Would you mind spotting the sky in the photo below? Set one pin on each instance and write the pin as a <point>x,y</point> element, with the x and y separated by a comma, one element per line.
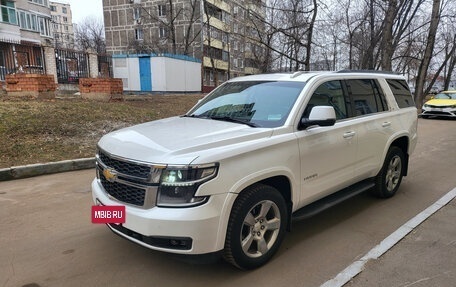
<point>85,8</point>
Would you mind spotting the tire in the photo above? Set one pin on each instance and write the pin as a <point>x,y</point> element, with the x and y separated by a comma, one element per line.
<point>390,176</point>
<point>256,227</point>
<point>425,116</point>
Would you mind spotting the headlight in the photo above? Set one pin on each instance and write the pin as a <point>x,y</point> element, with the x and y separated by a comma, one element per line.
<point>425,106</point>
<point>178,185</point>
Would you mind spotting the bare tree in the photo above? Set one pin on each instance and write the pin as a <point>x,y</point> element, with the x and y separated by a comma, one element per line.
<point>172,27</point>
<point>288,31</point>
<point>423,69</point>
<point>89,34</point>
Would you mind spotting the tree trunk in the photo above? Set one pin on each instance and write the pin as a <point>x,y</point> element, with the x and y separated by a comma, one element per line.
<point>422,71</point>
<point>309,36</point>
<point>387,39</point>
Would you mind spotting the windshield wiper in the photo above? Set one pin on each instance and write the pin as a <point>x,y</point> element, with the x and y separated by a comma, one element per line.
<point>223,118</point>
<point>233,120</point>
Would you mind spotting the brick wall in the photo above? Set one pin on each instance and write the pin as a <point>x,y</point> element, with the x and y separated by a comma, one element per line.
<point>101,85</point>
<point>34,85</point>
<point>101,88</point>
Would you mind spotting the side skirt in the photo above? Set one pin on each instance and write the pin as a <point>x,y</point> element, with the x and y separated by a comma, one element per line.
<point>333,199</point>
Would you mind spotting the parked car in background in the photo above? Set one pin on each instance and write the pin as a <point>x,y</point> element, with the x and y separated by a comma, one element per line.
<point>442,105</point>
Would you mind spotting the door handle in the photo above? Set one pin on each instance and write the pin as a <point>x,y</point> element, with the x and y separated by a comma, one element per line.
<point>386,124</point>
<point>349,134</point>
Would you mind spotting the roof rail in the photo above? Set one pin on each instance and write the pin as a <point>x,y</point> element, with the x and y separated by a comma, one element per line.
<point>299,73</point>
<point>369,71</point>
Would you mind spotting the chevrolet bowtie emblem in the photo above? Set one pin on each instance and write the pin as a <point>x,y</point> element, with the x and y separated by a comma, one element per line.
<point>110,174</point>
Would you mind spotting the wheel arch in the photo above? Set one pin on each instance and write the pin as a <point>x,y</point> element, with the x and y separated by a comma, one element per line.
<point>283,185</point>
<point>402,143</point>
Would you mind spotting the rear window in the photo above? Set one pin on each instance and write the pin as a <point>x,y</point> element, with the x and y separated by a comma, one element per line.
<point>402,93</point>
<point>367,97</point>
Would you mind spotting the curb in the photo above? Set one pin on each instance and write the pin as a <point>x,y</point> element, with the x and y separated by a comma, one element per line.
<point>18,172</point>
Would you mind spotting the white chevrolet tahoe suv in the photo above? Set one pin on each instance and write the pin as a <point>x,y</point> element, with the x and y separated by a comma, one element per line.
<point>228,177</point>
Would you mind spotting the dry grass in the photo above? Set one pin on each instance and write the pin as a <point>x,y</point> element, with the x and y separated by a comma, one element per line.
<point>34,131</point>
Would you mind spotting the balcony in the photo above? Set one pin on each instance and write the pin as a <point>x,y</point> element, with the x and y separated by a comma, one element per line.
<point>219,64</point>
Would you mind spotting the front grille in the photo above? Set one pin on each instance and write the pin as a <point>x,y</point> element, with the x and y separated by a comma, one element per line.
<point>437,113</point>
<point>122,192</point>
<point>438,107</point>
<point>124,167</point>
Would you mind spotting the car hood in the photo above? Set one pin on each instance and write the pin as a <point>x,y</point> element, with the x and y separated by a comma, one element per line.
<point>177,140</point>
<point>441,102</point>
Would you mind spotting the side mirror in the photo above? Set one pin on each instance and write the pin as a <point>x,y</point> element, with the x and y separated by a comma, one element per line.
<point>323,116</point>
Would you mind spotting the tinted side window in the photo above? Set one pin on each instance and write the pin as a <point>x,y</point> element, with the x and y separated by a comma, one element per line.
<point>328,94</point>
<point>367,97</point>
<point>402,93</point>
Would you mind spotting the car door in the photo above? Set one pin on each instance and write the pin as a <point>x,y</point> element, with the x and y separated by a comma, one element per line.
<point>327,154</point>
<point>373,124</point>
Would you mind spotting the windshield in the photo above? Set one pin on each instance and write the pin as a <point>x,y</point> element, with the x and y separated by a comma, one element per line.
<point>256,103</point>
<point>446,96</point>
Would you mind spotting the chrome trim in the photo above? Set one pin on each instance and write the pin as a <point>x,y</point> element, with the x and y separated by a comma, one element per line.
<point>147,183</point>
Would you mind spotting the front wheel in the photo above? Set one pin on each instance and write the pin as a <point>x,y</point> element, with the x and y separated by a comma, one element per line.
<point>256,227</point>
<point>389,178</point>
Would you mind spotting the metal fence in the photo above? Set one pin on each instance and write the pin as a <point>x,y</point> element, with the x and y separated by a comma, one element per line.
<point>20,57</point>
<point>71,66</point>
<point>105,66</point>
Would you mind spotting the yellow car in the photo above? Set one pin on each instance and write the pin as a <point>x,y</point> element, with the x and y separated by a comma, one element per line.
<point>442,105</point>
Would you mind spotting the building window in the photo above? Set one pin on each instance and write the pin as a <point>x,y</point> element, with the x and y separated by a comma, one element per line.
<point>211,76</point>
<point>162,32</point>
<point>27,21</point>
<point>139,34</point>
<point>43,24</point>
<point>226,18</point>
<point>136,13</point>
<point>65,19</point>
<point>41,2</point>
<point>161,10</point>
<point>53,8</point>
<point>213,11</point>
<point>8,12</point>
<point>64,10</point>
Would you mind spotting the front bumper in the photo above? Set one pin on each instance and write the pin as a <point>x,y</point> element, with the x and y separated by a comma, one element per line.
<point>194,230</point>
<point>438,112</point>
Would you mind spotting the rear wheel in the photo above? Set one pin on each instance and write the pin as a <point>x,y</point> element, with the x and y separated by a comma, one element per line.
<point>389,178</point>
<point>256,227</point>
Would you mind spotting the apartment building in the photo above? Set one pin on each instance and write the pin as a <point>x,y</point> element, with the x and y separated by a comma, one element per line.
<point>222,34</point>
<point>62,24</point>
<point>25,25</point>
<point>25,20</point>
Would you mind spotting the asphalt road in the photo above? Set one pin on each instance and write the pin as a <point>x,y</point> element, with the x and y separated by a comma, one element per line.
<point>47,238</point>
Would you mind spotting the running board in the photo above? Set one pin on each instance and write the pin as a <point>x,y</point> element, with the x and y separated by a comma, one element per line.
<point>331,200</point>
